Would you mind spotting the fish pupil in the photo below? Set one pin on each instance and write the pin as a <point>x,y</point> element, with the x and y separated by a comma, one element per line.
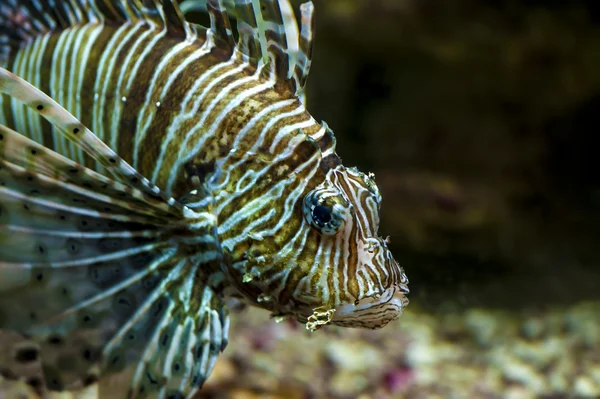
<point>321,214</point>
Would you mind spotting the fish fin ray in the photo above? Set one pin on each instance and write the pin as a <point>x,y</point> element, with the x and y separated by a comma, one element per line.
<point>82,307</point>
<point>54,169</point>
<point>305,46</point>
<point>181,321</point>
<point>58,279</point>
<point>158,327</point>
<point>248,46</point>
<point>47,222</point>
<point>79,134</point>
<point>22,20</point>
<point>269,33</point>
<point>220,25</point>
<point>278,25</point>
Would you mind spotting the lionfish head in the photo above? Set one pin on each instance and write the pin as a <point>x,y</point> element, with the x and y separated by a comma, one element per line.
<point>355,280</point>
<point>332,267</point>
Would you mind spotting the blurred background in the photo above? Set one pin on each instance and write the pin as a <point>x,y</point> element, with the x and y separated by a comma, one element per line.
<point>480,121</point>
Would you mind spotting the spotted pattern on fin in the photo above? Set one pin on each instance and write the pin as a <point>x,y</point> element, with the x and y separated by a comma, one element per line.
<point>99,269</point>
<point>39,160</point>
<point>192,331</point>
<point>77,133</point>
<point>20,359</point>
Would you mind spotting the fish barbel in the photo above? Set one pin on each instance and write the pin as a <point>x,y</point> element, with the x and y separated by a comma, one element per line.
<point>151,168</point>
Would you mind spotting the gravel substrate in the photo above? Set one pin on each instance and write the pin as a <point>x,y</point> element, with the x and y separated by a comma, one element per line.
<point>478,353</point>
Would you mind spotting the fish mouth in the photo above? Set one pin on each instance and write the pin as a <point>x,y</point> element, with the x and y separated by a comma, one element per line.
<point>373,311</point>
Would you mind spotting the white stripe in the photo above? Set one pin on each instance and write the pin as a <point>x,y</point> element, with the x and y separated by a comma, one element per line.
<point>85,54</point>
<point>6,193</point>
<point>292,198</point>
<point>284,154</point>
<point>260,139</point>
<point>188,360</point>
<point>18,108</point>
<point>251,152</point>
<point>183,115</point>
<point>108,135</point>
<point>181,158</point>
<point>285,133</point>
<point>102,78</point>
<point>260,115</point>
<point>118,287</point>
<point>148,111</point>
<point>35,79</point>
<point>167,362</point>
<point>60,142</point>
<point>124,68</point>
<point>152,346</point>
<point>73,104</point>
<point>212,131</point>
<point>64,83</point>
<point>265,200</point>
<point>84,235</point>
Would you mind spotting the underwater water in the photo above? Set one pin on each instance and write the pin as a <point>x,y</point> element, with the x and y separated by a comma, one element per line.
<point>479,121</point>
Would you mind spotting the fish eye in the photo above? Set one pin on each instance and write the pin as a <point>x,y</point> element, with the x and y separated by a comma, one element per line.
<point>321,214</point>
<point>324,210</point>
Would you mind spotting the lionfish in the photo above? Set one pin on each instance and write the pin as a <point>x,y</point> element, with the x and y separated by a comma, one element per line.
<point>151,169</point>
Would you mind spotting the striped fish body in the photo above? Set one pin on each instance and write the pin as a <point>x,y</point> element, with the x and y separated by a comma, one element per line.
<point>166,168</point>
<point>167,104</point>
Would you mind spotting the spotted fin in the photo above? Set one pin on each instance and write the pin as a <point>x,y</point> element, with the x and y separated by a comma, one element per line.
<point>185,339</point>
<point>97,267</point>
<point>79,134</point>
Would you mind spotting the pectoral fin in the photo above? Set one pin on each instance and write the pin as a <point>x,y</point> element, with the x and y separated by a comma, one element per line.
<point>97,268</point>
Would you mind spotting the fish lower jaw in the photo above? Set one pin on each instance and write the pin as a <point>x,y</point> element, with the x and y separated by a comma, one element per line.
<point>374,311</point>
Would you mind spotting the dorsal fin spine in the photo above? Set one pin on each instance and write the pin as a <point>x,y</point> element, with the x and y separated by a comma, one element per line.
<point>220,25</point>
<point>276,38</point>
<point>268,32</point>
<point>23,20</point>
<point>304,55</point>
<point>248,45</point>
<point>132,11</point>
<point>290,28</point>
